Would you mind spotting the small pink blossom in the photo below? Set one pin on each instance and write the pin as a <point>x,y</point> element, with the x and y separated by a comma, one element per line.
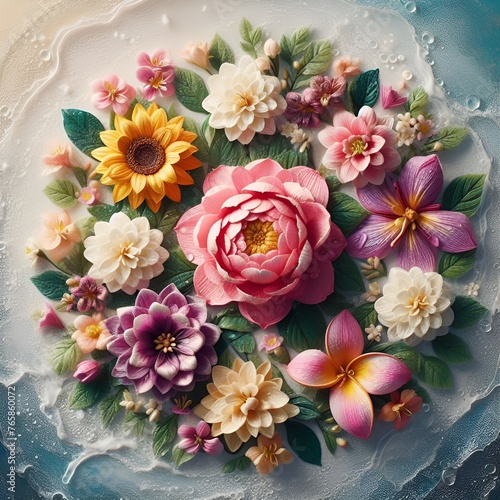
<point>197,53</point>
<point>199,437</point>
<point>325,91</point>
<point>60,156</point>
<point>300,111</point>
<point>87,371</point>
<point>391,98</point>
<point>156,82</point>
<point>401,408</point>
<point>90,295</point>
<point>270,342</point>
<point>58,235</point>
<point>160,59</point>
<point>90,195</point>
<point>49,319</point>
<point>425,127</point>
<point>346,66</point>
<point>112,92</point>
<point>91,333</point>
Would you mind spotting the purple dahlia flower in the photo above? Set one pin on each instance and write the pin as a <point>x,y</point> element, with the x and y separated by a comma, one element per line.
<point>163,343</point>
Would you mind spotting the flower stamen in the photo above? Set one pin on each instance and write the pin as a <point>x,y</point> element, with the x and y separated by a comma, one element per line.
<point>358,147</point>
<point>165,342</point>
<point>260,237</point>
<point>408,219</point>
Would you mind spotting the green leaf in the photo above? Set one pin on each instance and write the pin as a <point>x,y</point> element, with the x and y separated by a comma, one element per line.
<point>464,193</point>
<point>252,38</point>
<point>86,226</point>
<point>75,263</point>
<point>120,299</point>
<point>330,178</point>
<point>164,434</point>
<point>317,57</point>
<point>103,212</point>
<point>330,439</point>
<point>365,89</point>
<point>169,219</point>
<point>435,373</point>
<point>345,211</point>
<point>110,407</point>
<point>334,304</point>
<point>80,176</point>
<point>83,130</point>
<point>303,442</point>
<point>136,422</point>
<point>51,284</point>
<point>455,265</point>
<point>347,275</point>
<point>308,410</point>
<point>242,342</point>
<point>240,463</point>
<point>467,312</point>
<point>231,319</point>
<point>62,193</point>
<point>451,349</point>
<point>365,315</point>
<point>220,53</point>
<point>304,327</point>
<point>190,89</point>
<point>180,456</point>
<point>65,356</point>
<point>292,46</point>
<point>85,395</point>
<point>225,152</point>
<point>448,137</point>
<point>417,102</point>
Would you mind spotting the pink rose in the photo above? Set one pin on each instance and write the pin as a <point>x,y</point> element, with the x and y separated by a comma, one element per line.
<point>262,237</point>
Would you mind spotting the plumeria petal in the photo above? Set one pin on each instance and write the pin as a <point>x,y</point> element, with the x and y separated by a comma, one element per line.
<point>313,368</point>
<point>344,339</point>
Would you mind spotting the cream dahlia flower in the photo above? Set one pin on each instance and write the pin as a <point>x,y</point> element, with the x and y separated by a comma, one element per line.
<point>244,402</point>
<point>415,305</point>
<point>125,253</point>
<point>243,101</point>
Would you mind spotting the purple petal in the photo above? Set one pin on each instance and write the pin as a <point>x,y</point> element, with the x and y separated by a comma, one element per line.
<point>143,354</point>
<point>380,199</point>
<point>344,339</point>
<point>113,325</point>
<point>313,368</point>
<point>134,373</point>
<point>212,446</point>
<point>163,387</point>
<point>183,379</point>
<point>175,300</point>
<point>204,366</point>
<point>145,298</point>
<point>211,333</point>
<point>187,431</point>
<point>167,366</point>
<point>144,329</point>
<point>187,363</point>
<point>161,316</point>
<point>146,383</point>
<point>417,251</point>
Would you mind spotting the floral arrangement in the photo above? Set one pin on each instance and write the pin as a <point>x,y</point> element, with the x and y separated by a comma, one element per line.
<point>192,263</point>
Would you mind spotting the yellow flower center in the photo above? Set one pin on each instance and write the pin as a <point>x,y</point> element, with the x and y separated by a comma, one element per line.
<point>111,89</point>
<point>244,101</point>
<point>260,237</point>
<point>93,331</point>
<point>270,453</point>
<point>401,408</point>
<point>417,305</point>
<point>407,220</point>
<point>145,155</point>
<point>157,80</point>
<point>165,342</point>
<point>358,147</point>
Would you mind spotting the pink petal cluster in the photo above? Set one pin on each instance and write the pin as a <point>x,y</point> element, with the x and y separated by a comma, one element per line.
<point>262,237</point>
<point>49,319</point>
<point>391,98</point>
<point>346,66</point>
<point>59,157</point>
<point>351,375</point>
<point>199,438</point>
<point>157,73</point>
<point>87,371</point>
<point>91,333</point>
<point>91,194</point>
<point>404,215</point>
<point>302,112</point>
<point>112,92</point>
<point>58,236</point>
<point>90,295</point>
<point>359,148</point>
<point>198,54</point>
<point>401,408</point>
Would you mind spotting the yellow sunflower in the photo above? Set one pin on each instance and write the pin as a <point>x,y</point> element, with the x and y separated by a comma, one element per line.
<point>146,158</point>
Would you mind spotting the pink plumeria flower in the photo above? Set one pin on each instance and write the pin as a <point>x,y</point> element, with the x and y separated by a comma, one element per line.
<point>404,215</point>
<point>58,236</point>
<point>350,375</point>
<point>199,437</point>
<point>59,157</point>
<point>270,342</point>
<point>112,92</point>
<point>197,53</point>
<point>90,195</point>
<point>49,320</point>
<point>156,82</point>
<point>391,98</point>
<point>160,59</point>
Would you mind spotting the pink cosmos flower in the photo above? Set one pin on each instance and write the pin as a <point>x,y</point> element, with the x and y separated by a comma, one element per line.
<point>112,92</point>
<point>156,82</point>
<point>350,375</point>
<point>390,97</point>
<point>160,59</point>
<point>359,148</point>
<point>87,371</point>
<point>197,53</point>
<point>59,157</point>
<point>404,215</point>
<point>91,333</point>
<point>346,66</point>
<point>90,195</point>
<point>199,438</point>
<point>58,235</point>
<point>401,408</point>
<point>262,237</point>
<point>49,319</point>
<point>303,113</point>
<point>270,342</point>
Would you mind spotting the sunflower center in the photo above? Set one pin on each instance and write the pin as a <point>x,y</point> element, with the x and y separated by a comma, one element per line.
<point>145,155</point>
<point>358,147</point>
<point>165,343</point>
<point>260,237</point>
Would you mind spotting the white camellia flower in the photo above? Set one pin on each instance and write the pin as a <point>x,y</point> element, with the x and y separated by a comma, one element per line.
<point>125,253</point>
<point>415,305</point>
<point>243,101</point>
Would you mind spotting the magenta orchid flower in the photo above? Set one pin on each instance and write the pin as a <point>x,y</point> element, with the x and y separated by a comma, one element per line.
<point>404,215</point>
<point>390,97</point>
<point>199,437</point>
<point>350,375</point>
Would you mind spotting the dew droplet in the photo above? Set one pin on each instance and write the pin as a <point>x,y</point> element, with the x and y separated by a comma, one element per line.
<point>427,37</point>
<point>30,36</point>
<point>4,111</point>
<point>496,265</point>
<point>449,476</point>
<point>383,57</point>
<point>485,326</point>
<point>407,74</point>
<point>411,7</point>
<point>373,44</point>
<point>44,55</point>
<point>393,58</point>
<point>490,469</point>
<point>2,246</point>
<point>401,57</point>
<point>335,52</point>
<point>439,81</point>
<point>64,88</point>
<point>473,102</point>
<point>425,407</point>
<point>430,60</point>
<point>190,257</point>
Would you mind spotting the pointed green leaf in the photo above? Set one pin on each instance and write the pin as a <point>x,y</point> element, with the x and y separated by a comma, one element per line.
<point>180,456</point>
<point>464,193</point>
<point>317,57</point>
<point>345,211</point>
<point>75,263</point>
<point>110,407</point>
<point>51,284</point>
<point>347,275</point>
<point>291,47</point>
<point>467,312</point>
<point>65,356</point>
<point>435,373</point>
<point>80,176</point>
<point>308,410</point>
<point>365,315</point>
<point>62,193</point>
<point>330,178</point>
<point>220,53</point>
<point>365,90</point>
<point>303,442</point>
<point>231,319</point>
<point>83,130</point>
<point>120,299</point>
<point>448,137</point>
<point>242,342</point>
<point>334,304</point>
<point>455,265</point>
<point>417,102</point>
<point>136,422</point>
<point>330,439</point>
<point>190,89</point>
<point>451,349</point>
<point>240,463</point>
<point>103,212</point>
<point>85,395</point>
<point>164,434</point>
<point>225,152</point>
<point>252,38</point>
